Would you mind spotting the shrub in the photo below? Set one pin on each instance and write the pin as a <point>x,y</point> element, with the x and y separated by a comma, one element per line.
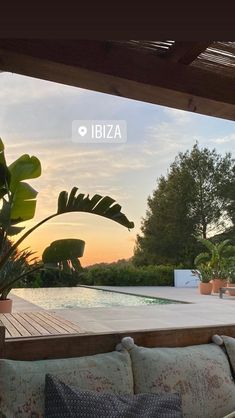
<point>128,275</point>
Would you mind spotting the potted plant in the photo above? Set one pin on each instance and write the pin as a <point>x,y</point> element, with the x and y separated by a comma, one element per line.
<point>219,279</point>
<point>231,281</point>
<point>215,258</point>
<point>16,269</point>
<point>18,204</point>
<point>204,275</point>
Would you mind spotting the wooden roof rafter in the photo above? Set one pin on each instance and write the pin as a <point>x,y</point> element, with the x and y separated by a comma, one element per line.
<point>193,76</point>
<point>186,52</point>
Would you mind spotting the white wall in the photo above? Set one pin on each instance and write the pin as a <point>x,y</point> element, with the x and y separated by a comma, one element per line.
<point>185,278</point>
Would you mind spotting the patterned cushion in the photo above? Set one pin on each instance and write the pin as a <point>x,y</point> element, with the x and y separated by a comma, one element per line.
<point>229,343</point>
<point>63,401</point>
<point>22,383</point>
<point>200,373</point>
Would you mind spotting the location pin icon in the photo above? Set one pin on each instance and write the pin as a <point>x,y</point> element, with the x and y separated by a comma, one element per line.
<point>82,130</point>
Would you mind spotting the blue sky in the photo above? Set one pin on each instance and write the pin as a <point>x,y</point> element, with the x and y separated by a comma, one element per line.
<point>36,118</point>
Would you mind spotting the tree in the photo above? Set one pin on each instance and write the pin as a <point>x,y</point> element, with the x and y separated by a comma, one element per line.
<point>189,202</point>
<point>212,178</point>
<point>229,194</point>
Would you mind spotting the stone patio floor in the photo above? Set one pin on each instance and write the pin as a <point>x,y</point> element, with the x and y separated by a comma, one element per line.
<point>198,311</point>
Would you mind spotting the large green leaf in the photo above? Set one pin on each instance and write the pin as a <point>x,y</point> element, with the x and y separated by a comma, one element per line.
<point>23,213</point>
<point>25,167</point>
<point>98,205</point>
<point>23,203</point>
<point>23,196</point>
<point>63,250</point>
<point>2,155</point>
<point>5,214</point>
<point>4,172</point>
<point>208,244</point>
<point>24,192</point>
<point>202,258</point>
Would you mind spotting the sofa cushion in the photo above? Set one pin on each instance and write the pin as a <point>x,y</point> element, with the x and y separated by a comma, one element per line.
<point>200,373</point>
<point>22,382</point>
<point>229,343</point>
<point>70,402</point>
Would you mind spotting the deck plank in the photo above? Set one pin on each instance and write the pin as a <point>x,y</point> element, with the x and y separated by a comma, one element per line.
<point>18,325</point>
<point>71,327</point>
<point>27,323</point>
<point>10,328</point>
<point>37,324</point>
<point>48,321</point>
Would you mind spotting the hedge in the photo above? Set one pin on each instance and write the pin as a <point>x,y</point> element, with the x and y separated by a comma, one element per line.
<point>128,275</point>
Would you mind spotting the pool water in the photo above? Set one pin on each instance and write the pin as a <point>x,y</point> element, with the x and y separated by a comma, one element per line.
<point>82,297</point>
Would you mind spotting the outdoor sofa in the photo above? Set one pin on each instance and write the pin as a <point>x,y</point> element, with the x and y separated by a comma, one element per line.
<point>190,367</point>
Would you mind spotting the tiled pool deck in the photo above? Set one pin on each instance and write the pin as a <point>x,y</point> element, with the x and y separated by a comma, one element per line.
<point>200,310</point>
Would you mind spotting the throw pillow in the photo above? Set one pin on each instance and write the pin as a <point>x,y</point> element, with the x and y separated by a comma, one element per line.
<point>63,401</point>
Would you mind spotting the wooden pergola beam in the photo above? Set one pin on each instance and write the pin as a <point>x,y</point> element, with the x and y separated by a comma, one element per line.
<point>186,52</point>
<point>126,72</point>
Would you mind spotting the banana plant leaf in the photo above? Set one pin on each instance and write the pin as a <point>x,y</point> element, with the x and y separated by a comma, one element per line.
<point>63,255</point>
<point>73,202</point>
<point>4,172</point>
<point>2,155</point>
<point>97,205</point>
<point>62,250</point>
<point>25,167</point>
<point>23,196</point>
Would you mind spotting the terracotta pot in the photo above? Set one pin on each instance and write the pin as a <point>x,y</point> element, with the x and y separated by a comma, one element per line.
<point>217,284</point>
<point>5,306</point>
<point>231,292</point>
<point>205,288</point>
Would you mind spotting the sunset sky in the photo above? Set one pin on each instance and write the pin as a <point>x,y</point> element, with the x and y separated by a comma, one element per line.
<point>36,118</point>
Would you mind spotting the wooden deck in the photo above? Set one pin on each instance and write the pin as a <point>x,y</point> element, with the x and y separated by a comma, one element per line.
<point>37,324</point>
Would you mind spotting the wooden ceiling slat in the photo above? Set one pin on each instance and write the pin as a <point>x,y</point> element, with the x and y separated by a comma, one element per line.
<point>219,58</point>
<point>186,52</point>
<point>225,46</point>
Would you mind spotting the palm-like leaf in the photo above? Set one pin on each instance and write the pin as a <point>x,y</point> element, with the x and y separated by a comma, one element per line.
<point>216,255</point>
<point>63,250</point>
<point>63,255</point>
<point>222,246</point>
<point>73,202</point>
<point>201,258</point>
<point>208,244</point>
<point>16,266</point>
<point>98,205</point>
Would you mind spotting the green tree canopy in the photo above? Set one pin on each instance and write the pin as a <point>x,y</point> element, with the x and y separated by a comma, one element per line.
<point>194,199</point>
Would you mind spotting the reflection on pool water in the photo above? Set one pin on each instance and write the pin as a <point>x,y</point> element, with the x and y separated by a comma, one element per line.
<point>82,297</point>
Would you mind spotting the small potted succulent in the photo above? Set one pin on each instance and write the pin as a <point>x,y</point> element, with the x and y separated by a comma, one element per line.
<point>204,275</point>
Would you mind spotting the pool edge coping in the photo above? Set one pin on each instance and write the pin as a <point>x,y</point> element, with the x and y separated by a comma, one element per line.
<point>134,294</point>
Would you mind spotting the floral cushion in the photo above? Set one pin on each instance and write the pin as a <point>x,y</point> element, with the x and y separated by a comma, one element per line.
<point>200,373</point>
<point>22,383</point>
<point>229,343</point>
<point>70,402</point>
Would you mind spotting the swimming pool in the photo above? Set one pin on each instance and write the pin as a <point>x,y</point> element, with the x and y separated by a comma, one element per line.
<point>82,297</point>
